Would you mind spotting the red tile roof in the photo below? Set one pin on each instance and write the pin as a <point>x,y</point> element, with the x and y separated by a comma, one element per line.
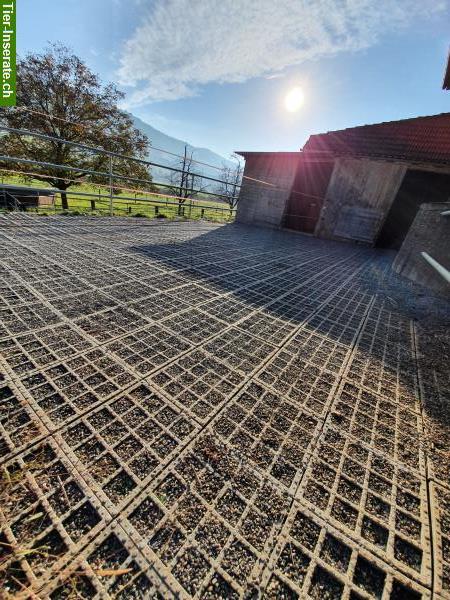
<point>422,139</point>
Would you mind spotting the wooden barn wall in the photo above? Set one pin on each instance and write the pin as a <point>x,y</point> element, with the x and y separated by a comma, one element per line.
<point>362,183</point>
<point>261,204</point>
<point>308,192</point>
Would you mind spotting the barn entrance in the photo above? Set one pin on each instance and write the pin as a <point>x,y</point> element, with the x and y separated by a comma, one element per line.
<point>308,192</point>
<point>416,188</point>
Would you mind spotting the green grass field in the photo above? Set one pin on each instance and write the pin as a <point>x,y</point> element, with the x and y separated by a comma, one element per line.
<point>129,203</point>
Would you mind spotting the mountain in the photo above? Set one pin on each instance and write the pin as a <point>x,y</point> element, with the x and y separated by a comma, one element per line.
<point>161,140</point>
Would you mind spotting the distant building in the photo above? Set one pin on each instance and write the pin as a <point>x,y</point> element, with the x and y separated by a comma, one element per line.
<point>364,184</point>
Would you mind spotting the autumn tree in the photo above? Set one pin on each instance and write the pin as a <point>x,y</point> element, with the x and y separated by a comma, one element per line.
<point>58,95</point>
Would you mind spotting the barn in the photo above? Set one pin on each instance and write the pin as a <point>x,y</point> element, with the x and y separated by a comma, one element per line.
<point>363,184</point>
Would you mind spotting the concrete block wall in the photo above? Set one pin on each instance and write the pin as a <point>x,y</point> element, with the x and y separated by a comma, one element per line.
<point>430,232</point>
<point>359,182</point>
<point>261,204</point>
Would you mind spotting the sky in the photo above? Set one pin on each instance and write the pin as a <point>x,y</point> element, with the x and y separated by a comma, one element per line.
<point>216,72</point>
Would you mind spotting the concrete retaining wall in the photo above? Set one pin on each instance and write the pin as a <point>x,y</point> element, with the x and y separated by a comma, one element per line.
<point>430,232</point>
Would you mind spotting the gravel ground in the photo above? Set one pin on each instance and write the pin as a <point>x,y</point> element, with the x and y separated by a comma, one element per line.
<point>193,410</point>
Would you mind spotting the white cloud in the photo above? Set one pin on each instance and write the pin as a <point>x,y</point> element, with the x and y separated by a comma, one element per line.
<point>184,44</point>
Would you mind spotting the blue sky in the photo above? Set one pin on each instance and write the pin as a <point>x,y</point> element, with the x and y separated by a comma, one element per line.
<point>215,72</point>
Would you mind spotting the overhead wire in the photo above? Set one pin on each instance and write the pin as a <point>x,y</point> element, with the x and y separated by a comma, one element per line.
<point>248,177</point>
<point>50,116</point>
<point>103,185</point>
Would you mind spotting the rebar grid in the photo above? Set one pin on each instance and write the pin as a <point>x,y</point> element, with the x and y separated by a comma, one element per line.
<point>190,410</point>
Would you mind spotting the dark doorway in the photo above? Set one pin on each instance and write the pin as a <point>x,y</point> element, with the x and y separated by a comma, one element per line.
<point>308,192</point>
<point>416,188</point>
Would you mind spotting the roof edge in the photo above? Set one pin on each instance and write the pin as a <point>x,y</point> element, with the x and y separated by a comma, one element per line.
<point>245,153</point>
<point>366,125</point>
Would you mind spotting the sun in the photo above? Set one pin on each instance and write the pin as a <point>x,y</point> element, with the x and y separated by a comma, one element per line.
<point>294,99</point>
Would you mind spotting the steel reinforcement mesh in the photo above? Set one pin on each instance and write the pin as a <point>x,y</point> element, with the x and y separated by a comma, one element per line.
<point>193,410</point>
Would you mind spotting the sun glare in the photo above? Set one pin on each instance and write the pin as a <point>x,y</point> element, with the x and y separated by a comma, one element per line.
<point>294,99</point>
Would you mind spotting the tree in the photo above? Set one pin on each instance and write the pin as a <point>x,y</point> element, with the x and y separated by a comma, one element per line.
<point>58,95</point>
<point>187,184</point>
<point>231,177</point>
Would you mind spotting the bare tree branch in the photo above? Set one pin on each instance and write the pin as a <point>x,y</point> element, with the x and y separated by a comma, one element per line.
<point>232,177</point>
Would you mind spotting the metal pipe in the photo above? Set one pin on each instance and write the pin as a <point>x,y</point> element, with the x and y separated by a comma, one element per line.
<point>141,161</point>
<point>439,268</point>
<point>29,161</point>
<point>49,116</point>
<point>101,173</point>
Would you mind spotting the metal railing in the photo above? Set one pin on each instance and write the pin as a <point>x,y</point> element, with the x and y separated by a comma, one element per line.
<point>193,203</point>
<point>443,272</point>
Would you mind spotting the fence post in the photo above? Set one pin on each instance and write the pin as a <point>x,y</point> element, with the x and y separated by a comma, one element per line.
<point>92,205</point>
<point>203,213</point>
<point>190,207</point>
<point>110,186</point>
<point>156,210</point>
